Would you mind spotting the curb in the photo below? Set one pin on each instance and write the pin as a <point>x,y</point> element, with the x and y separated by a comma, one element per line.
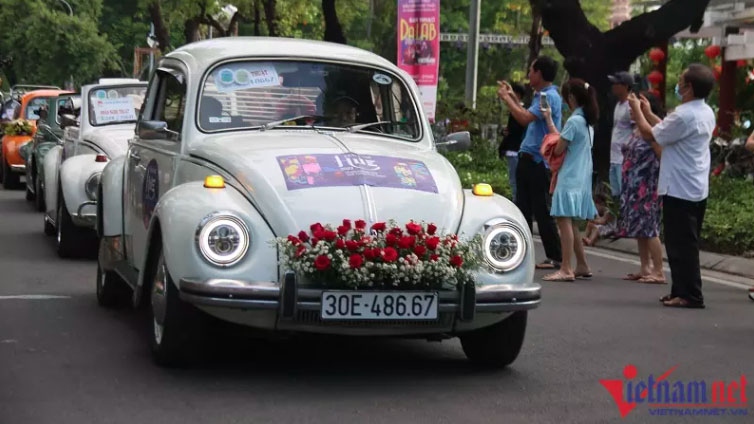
<point>733,265</point>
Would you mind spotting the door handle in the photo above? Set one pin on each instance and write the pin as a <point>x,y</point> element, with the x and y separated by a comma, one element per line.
<point>134,156</point>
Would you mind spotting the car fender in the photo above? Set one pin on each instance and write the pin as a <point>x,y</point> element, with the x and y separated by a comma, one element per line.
<point>11,148</point>
<point>477,211</point>
<point>112,198</point>
<point>74,172</point>
<point>177,216</point>
<point>51,163</point>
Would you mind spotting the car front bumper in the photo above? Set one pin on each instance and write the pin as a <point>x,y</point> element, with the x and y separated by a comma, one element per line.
<point>18,169</point>
<point>274,306</point>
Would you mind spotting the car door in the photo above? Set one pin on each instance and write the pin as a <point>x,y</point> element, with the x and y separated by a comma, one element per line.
<point>152,157</point>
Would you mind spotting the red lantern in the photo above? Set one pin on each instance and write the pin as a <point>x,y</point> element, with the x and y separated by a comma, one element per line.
<point>656,55</point>
<point>712,51</point>
<point>741,63</point>
<point>655,77</point>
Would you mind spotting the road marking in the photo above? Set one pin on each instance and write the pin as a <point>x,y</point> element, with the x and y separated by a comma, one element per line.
<point>34,297</point>
<point>605,255</point>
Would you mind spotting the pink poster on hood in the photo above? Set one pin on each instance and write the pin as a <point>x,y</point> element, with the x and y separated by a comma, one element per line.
<point>419,47</point>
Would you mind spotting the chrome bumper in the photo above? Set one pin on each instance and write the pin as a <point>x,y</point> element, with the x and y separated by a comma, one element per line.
<point>19,169</point>
<point>88,219</point>
<point>289,299</point>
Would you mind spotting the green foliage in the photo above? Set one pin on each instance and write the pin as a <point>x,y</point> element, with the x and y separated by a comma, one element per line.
<point>481,165</point>
<point>18,127</point>
<point>47,45</point>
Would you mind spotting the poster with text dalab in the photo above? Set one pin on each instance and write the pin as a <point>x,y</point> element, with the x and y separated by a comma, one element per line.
<point>419,47</point>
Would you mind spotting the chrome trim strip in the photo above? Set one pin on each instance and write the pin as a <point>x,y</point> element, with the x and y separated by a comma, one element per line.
<point>82,206</point>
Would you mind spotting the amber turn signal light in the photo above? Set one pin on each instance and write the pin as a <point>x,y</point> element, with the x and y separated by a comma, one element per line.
<point>482,189</point>
<point>214,181</point>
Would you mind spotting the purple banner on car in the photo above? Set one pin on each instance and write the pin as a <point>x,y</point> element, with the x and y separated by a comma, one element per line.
<point>350,169</point>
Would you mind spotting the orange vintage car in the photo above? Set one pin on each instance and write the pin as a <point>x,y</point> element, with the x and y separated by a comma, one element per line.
<point>25,109</point>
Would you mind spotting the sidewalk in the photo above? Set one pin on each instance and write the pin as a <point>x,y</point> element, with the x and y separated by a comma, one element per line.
<point>727,264</point>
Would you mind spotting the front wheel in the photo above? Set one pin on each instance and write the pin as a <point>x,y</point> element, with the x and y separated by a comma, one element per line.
<point>10,180</point>
<point>39,199</point>
<point>175,326</point>
<point>72,241</point>
<point>498,345</point>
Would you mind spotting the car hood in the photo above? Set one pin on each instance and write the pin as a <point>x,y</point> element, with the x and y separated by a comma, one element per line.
<point>296,178</point>
<point>112,139</point>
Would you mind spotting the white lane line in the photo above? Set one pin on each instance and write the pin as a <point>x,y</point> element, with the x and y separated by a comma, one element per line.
<point>34,297</point>
<point>711,279</point>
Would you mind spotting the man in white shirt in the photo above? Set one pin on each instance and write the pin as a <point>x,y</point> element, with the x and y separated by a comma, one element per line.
<point>623,83</point>
<point>684,136</point>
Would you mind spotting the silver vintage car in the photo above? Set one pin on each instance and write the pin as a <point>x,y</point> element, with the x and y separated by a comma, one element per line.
<point>242,141</point>
<point>107,113</point>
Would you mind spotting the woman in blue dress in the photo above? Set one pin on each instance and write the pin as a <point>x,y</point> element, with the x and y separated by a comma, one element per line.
<point>572,198</point>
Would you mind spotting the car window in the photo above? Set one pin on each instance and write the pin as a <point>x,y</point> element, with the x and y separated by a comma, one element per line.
<point>115,104</point>
<point>247,95</point>
<point>32,108</point>
<point>171,101</point>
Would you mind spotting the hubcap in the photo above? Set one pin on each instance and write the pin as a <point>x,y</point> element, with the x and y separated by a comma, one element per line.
<point>58,221</point>
<point>158,293</point>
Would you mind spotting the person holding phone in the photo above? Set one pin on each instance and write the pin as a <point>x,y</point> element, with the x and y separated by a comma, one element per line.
<point>532,174</point>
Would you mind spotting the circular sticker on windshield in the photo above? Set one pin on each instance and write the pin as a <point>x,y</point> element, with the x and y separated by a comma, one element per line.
<point>242,77</point>
<point>112,94</point>
<point>101,94</point>
<point>226,77</point>
<point>382,79</point>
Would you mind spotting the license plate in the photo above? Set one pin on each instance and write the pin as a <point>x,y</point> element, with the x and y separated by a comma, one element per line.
<point>341,305</point>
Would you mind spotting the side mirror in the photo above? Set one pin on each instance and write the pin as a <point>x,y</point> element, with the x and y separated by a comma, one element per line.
<point>455,142</point>
<point>153,129</point>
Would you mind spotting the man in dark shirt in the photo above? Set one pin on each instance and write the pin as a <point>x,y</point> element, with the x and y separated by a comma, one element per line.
<point>513,134</point>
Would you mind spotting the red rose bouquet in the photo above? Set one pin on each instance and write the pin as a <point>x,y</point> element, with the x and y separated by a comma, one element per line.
<point>384,255</point>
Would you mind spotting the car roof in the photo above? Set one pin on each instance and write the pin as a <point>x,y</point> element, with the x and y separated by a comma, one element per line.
<point>207,52</point>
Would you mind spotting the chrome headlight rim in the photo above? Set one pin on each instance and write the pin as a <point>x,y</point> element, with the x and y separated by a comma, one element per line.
<point>210,223</point>
<point>91,185</point>
<point>495,229</point>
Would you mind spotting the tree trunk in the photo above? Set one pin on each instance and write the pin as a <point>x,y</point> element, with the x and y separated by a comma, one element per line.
<point>160,28</point>
<point>333,30</point>
<point>593,55</point>
<point>257,19</point>
<point>191,29</point>
<point>271,17</point>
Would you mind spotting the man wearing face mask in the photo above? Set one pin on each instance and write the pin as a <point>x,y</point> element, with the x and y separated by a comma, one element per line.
<point>684,136</point>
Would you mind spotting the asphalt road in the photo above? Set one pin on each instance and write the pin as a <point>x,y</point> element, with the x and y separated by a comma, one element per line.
<point>65,360</point>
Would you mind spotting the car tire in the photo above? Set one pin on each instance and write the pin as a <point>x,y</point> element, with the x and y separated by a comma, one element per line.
<point>111,290</point>
<point>29,195</point>
<point>39,198</point>
<point>11,181</point>
<point>498,345</point>
<point>175,327</point>
<point>71,241</point>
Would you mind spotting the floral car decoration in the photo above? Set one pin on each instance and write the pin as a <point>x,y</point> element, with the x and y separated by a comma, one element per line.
<point>18,127</point>
<point>385,256</point>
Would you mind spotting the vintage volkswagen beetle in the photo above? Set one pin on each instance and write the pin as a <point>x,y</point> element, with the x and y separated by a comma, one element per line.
<point>13,164</point>
<point>98,131</point>
<point>49,134</point>
<point>187,217</point>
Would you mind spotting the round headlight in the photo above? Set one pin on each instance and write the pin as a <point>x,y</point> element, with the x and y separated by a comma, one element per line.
<point>223,239</point>
<point>504,247</point>
<point>90,187</point>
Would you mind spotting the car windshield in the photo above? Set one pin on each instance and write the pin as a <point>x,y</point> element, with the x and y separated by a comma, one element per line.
<point>244,95</point>
<point>32,108</point>
<point>115,105</point>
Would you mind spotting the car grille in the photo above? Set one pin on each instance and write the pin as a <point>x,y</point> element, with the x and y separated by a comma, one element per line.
<point>310,317</point>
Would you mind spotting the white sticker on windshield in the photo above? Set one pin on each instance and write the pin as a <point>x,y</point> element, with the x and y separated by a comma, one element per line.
<point>114,110</point>
<point>248,77</point>
<point>101,94</point>
<point>382,79</point>
<point>220,120</point>
<point>112,94</point>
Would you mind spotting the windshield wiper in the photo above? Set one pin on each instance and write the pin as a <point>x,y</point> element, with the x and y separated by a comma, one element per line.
<point>358,127</point>
<point>274,124</point>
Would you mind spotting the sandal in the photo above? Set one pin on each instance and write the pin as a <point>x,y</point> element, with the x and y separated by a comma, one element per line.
<point>633,277</point>
<point>583,275</point>
<point>666,298</point>
<point>751,294</point>
<point>679,302</point>
<point>651,279</point>
<point>558,277</point>
<point>548,264</point>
